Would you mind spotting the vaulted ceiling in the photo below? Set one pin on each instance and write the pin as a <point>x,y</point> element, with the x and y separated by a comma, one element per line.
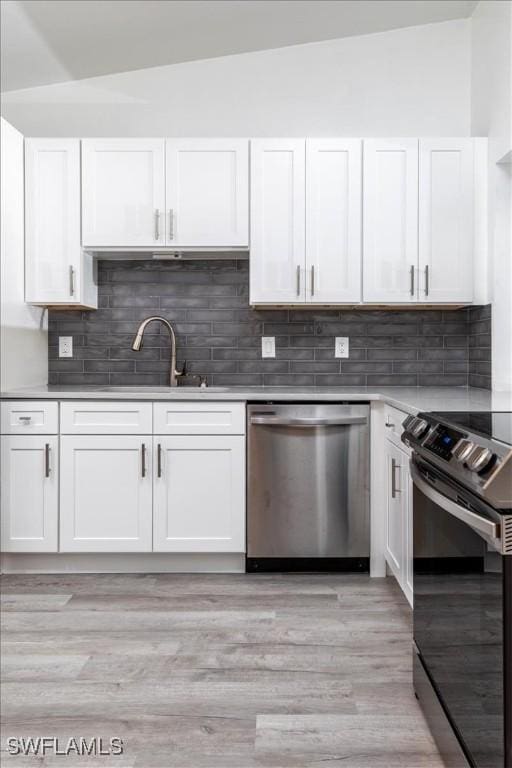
<point>51,41</point>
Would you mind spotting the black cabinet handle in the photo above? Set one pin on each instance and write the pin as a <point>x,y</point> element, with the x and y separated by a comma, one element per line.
<point>47,460</point>
<point>143,460</point>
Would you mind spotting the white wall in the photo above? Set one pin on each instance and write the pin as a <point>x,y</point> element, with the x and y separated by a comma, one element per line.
<point>405,82</point>
<point>491,115</point>
<point>23,343</point>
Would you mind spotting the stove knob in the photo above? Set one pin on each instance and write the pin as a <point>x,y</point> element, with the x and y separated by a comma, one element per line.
<point>406,423</point>
<point>463,449</point>
<point>418,428</point>
<point>478,459</point>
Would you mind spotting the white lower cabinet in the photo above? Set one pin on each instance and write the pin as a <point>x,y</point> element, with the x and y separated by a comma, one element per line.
<point>29,493</point>
<point>199,493</point>
<point>398,541</point>
<point>407,585</point>
<point>106,493</point>
<point>92,491</point>
<point>395,517</point>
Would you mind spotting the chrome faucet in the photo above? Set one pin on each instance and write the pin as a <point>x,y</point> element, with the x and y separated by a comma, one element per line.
<point>137,345</point>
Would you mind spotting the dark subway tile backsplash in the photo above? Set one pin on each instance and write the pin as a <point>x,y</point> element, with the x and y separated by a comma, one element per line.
<point>479,343</point>
<point>220,335</point>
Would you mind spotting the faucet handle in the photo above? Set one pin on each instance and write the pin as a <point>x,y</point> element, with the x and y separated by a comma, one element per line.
<point>184,369</point>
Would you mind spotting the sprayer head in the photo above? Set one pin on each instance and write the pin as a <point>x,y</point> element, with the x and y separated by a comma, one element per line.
<point>137,342</point>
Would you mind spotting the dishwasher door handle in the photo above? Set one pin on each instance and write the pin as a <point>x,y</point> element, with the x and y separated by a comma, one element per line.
<point>277,421</point>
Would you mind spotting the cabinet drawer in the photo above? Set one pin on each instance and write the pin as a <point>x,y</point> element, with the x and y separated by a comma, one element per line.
<point>393,425</point>
<point>106,418</point>
<point>193,418</point>
<point>25,417</point>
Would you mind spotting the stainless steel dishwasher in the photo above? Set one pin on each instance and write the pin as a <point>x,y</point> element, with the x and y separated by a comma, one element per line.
<point>308,487</point>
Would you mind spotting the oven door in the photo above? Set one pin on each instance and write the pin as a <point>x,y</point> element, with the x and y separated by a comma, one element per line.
<point>459,612</point>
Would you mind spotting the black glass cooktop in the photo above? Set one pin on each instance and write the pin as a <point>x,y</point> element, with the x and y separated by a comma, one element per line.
<point>494,425</point>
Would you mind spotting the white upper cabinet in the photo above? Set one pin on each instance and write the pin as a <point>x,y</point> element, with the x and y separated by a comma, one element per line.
<point>123,193</point>
<point>278,191</point>
<point>207,193</point>
<point>390,220</point>
<point>56,272</point>
<point>146,193</point>
<point>446,220</point>
<point>333,220</point>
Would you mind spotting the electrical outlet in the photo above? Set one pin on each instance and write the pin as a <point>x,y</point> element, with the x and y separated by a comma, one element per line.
<point>268,346</point>
<point>341,346</point>
<point>65,346</point>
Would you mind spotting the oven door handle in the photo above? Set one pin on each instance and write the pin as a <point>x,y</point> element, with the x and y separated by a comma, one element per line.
<point>491,531</point>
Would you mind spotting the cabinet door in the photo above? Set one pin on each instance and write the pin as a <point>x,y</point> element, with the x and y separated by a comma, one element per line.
<point>199,494</point>
<point>52,221</point>
<point>207,192</point>
<point>277,263</point>
<point>123,192</point>
<point>446,233</point>
<point>29,493</point>
<point>395,511</point>
<point>105,494</point>
<point>408,546</point>
<point>390,220</point>
<point>333,220</point>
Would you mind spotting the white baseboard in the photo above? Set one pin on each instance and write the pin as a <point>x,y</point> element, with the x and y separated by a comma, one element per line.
<point>151,562</point>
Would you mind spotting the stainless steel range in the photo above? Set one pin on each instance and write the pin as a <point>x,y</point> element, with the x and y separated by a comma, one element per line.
<point>461,468</point>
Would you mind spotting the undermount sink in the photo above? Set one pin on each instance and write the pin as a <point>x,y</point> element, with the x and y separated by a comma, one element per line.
<point>159,390</point>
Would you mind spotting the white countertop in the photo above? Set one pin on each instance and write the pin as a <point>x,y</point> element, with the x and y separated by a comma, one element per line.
<point>411,399</point>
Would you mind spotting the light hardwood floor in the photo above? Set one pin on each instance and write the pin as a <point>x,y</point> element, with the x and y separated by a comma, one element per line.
<point>213,671</point>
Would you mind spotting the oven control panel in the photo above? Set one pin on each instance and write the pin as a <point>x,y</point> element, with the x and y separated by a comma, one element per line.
<point>436,438</point>
<point>442,440</point>
<point>483,465</point>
